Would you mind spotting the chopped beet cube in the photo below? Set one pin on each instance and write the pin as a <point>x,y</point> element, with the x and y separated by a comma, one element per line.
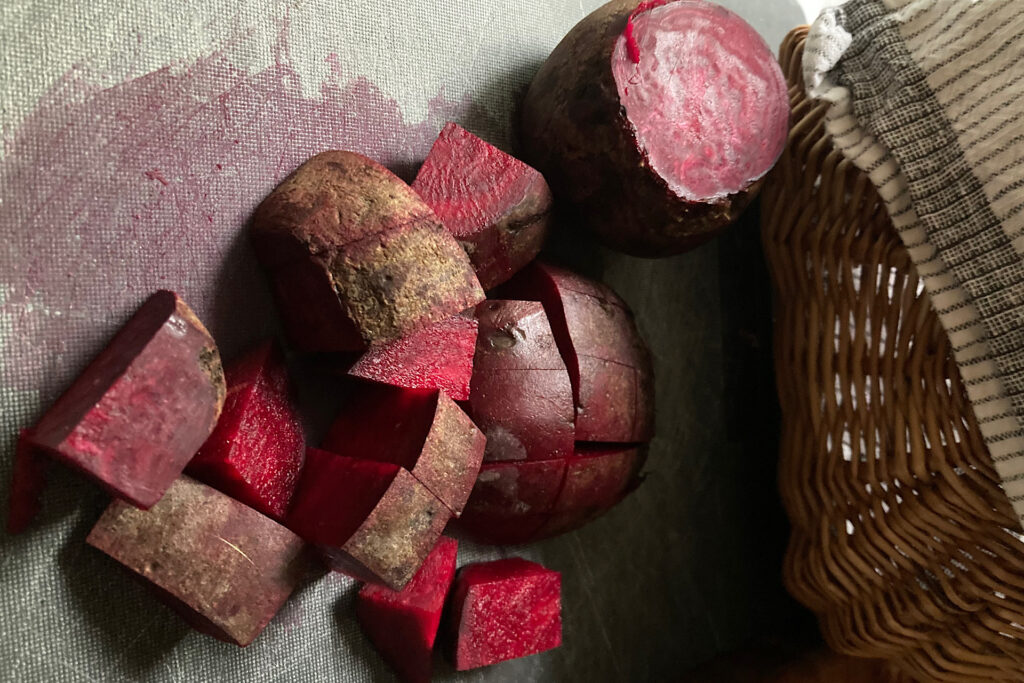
<point>503,610</point>
<point>256,451</point>
<point>495,205</point>
<point>372,520</point>
<point>512,501</point>
<point>135,417</point>
<point>440,356</point>
<point>28,479</point>
<point>403,624</point>
<point>225,567</point>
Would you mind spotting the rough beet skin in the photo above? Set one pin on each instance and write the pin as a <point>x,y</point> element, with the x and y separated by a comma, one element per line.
<point>656,122</point>
<point>512,501</point>
<point>503,610</point>
<point>223,566</point>
<point>137,414</point>
<point>497,207</point>
<point>402,625</point>
<point>256,450</point>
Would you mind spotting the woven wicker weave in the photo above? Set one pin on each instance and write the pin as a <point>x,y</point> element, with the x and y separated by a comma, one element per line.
<point>901,539</point>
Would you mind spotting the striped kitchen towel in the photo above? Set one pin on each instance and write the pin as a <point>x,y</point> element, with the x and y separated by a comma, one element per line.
<point>926,97</point>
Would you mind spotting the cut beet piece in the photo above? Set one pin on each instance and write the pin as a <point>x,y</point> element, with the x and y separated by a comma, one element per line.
<point>371,520</point>
<point>403,624</point>
<point>135,417</point>
<point>421,430</point>
<point>608,362</point>
<point>28,479</point>
<point>495,205</point>
<point>503,610</point>
<point>356,256</point>
<point>440,356</point>
<point>520,394</point>
<point>512,501</point>
<point>225,567</point>
<point>655,122</point>
<point>256,451</point>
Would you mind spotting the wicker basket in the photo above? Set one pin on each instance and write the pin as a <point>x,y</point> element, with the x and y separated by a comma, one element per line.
<point>903,542</point>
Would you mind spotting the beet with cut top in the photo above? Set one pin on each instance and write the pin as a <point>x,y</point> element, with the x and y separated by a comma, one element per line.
<point>371,520</point>
<point>440,356</point>
<point>223,566</point>
<point>28,479</point>
<point>495,205</point>
<point>512,501</point>
<point>502,610</point>
<point>656,121</point>
<point>403,624</point>
<point>256,451</point>
<point>138,413</point>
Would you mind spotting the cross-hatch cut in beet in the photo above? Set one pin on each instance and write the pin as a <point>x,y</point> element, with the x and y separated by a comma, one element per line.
<point>403,624</point>
<point>440,356</point>
<point>502,610</point>
<point>137,414</point>
<point>512,501</point>
<point>223,566</point>
<point>495,205</point>
<point>256,451</point>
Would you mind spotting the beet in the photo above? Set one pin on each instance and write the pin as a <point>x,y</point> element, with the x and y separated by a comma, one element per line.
<point>356,257</point>
<point>608,362</point>
<point>371,520</point>
<point>512,501</point>
<point>223,566</point>
<point>256,450</point>
<point>440,356</point>
<point>422,430</point>
<point>28,479</point>
<point>137,414</point>
<point>503,610</point>
<point>497,207</point>
<point>520,394</point>
<point>403,625</point>
<point>655,123</point>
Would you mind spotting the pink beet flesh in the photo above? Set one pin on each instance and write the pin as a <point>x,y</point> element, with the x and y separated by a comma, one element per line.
<point>493,203</point>
<point>705,95</point>
<point>403,624</point>
<point>440,356</point>
<point>512,501</point>
<point>256,451</point>
<point>28,479</point>
<point>503,610</point>
<point>135,417</point>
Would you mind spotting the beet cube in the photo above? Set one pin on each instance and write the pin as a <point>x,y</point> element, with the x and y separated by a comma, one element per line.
<point>440,356</point>
<point>371,520</point>
<point>256,450</point>
<point>495,205</point>
<point>138,413</point>
<point>512,501</point>
<point>403,624</point>
<point>225,567</point>
<point>503,610</point>
<point>28,479</point>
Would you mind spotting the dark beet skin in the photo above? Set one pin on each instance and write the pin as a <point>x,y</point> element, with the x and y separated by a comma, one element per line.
<point>256,451</point>
<point>497,207</point>
<point>608,361</point>
<point>440,356</point>
<point>28,479</point>
<point>656,181</point>
<point>503,610</point>
<point>371,520</point>
<point>520,395</point>
<point>225,567</point>
<point>137,414</point>
<point>512,501</point>
<point>402,625</point>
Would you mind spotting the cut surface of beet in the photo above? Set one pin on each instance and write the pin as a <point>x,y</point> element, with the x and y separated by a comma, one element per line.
<point>28,479</point>
<point>502,610</point>
<point>257,448</point>
<point>440,356</point>
<point>402,625</point>
<point>512,501</point>
<point>225,567</point>
<point>137,414</point>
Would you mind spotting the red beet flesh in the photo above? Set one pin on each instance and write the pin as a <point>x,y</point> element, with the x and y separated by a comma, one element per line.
<point>440,356</point>
<point>256,451</point>
<point>28,479</point>
<point>135,417</point>
<point>403,624</point>
<point>225,567</point>
<point>495,205</point>
<point>503,610</point>
<point>512,501</point>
